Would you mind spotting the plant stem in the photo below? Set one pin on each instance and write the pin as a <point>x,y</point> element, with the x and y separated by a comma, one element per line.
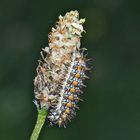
<point>42,114</point>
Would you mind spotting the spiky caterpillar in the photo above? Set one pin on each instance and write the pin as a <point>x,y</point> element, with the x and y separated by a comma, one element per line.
<point>61,70</point>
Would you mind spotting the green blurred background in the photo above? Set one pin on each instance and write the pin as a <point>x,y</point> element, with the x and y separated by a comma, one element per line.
<point>111,110</point>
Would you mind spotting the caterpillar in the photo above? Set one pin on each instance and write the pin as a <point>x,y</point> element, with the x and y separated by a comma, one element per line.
<point>61,70</point>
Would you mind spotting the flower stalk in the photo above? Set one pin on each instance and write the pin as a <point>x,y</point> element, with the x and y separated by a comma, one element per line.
<point>42,114</point>
<point>60,73</point>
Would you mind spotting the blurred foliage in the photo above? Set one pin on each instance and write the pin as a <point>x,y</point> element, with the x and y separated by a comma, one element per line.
<point>112,98</point>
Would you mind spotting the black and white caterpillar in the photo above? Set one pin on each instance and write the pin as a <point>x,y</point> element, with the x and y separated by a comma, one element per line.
<point>61,70</point>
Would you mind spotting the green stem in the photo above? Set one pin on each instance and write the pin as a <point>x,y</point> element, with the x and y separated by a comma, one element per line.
<point>42,114</point>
